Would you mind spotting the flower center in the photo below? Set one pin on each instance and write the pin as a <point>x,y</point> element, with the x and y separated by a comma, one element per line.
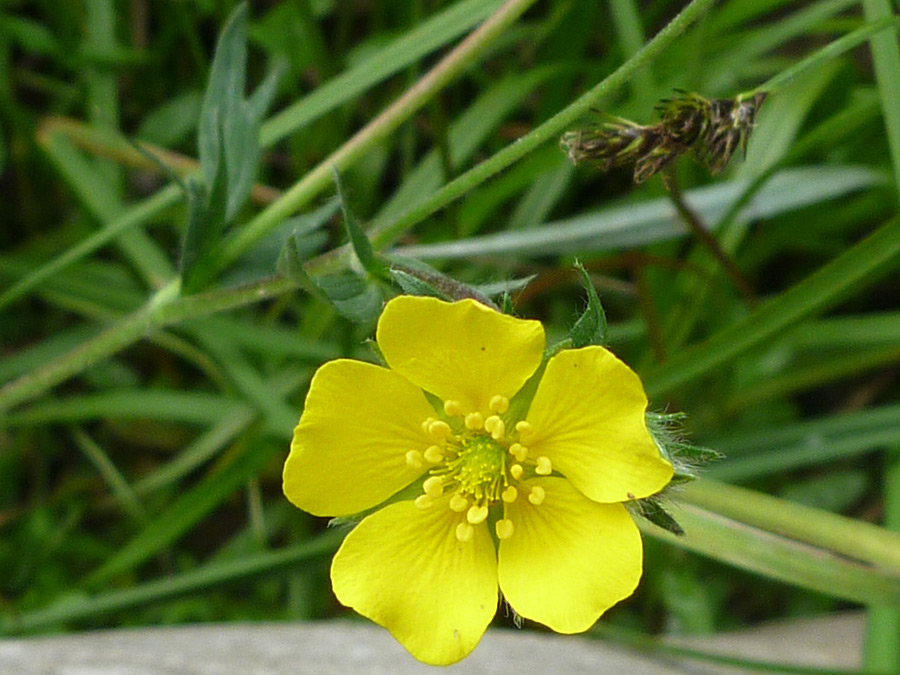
<point>481,462</point>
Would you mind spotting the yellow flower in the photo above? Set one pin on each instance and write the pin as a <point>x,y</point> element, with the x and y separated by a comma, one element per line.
<point>524,498</point>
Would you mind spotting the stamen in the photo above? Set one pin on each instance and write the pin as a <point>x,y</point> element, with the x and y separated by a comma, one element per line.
<point>414,459</point>
<point>509,494</point>
<point>524,428</point>
<point>439,429</point>
<point>544,467</point>
<point>464,532</point>
<point>537,495</point>
<point>434,454</point>
<point>427,423</point>
<point>504,528</point>
<point>477,514</point>
<point>458,503</point>
<point>499,404</point>
<point>423,502</point>
<point>453,408</point>
<point>474,421</point>
<point>496,427</point>
<point>516,471</point>
<point>519,451</point>
<point>433,486</point>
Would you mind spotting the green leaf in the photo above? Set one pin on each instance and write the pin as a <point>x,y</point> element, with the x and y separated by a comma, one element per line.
<point>172,122</point>
<point>412,285</point>
<point>356,298</point>
<point>229,125</point>
<point>591,327</point>
<point>360,243</point>
<point>186,512</point>
<point>206,222</point>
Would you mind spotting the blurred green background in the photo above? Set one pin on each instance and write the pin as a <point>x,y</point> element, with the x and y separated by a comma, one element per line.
<point>143,427</point>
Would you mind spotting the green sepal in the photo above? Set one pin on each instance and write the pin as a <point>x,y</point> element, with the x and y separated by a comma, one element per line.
<point>651,509</point>
<point>591,327</point>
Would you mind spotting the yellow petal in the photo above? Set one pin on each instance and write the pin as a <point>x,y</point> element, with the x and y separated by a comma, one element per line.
<point>588,419</point>
<point>349,449</point>
<point>569,559</point>
<point>461,351</point>
<point>405,569</point>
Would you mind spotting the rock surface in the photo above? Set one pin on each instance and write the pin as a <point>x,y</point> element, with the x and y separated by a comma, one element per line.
<point>338,648</point>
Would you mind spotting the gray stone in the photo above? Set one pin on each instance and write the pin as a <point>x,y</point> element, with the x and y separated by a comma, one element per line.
<point>338,648</point>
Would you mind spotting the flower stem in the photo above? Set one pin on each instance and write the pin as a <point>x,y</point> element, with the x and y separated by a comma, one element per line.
<point>549,130</point>
<point>321,177</point>
<point>705,237</point>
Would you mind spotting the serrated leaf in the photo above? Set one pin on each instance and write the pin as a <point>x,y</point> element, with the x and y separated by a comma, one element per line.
<point>591,327</point>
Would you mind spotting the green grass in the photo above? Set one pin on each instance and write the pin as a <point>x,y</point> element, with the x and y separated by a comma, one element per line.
<point>143,421</point>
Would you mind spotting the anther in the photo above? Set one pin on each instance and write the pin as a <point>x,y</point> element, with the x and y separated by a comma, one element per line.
<point>423,502</point>
<point>414,459</point>
<point>439,429</point>
<point>519,451</point>
<point>453,408</point>
<point>537,495</point>
<point>499,404</point>
<point>544,467</point>
<point>490,422</point>
<point>524,428</point>
<point>433,454</point>
<point>495,426</point>
<point>509,494</point>
<point>458,503</point>
<point>433,486</point>
<point>516,471</point>
<point>504,528</point>
<point>427,424</point>
<point>464,532</point>
<point>474,421</point>
<point>477,514</point>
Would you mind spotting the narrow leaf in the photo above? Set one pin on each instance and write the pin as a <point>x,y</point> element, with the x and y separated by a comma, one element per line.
<point>591,327</point>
